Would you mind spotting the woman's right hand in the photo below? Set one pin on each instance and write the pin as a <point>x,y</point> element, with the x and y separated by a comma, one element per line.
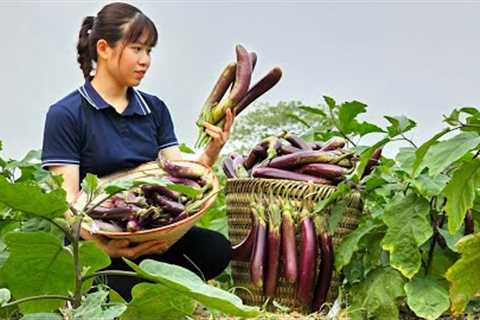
<point>116,248</point>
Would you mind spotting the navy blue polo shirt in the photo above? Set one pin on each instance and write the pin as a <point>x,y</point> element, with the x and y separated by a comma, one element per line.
<point>83,129</point>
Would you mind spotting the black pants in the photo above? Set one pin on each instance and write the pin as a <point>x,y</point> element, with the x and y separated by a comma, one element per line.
<point>207,254</point>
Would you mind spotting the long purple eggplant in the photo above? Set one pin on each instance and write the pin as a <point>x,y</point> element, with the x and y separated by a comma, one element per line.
<point>243,250</point>
<point>326,270</point>
<point>274,173</point>
<point>168,205</point>
<point>116,214</point>
<point>293,160</point>
<point>238,168</point>
<point>162,190</point>
<point>228,169</point>
<point>257,154</point>
<point>185,170</point>
<point>323,170</point>
<point>274,247</point>
<point>469,223</point>
<point>289,246</point>
<point>373,161</point>
<point>308,260</point>
<point>284,149</point>
<point>259,255</point>
<point>333,143</point>
<point>296,141</point>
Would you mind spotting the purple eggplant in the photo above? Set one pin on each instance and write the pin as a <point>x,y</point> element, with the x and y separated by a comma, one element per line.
<point>259,255</point>
<point>291,161</point>
<point>116,214</point>
<point>469,223</point>
<point>307,261</point>
<point>326,270</point>
<point>274,173</point>
<point>273,249</point>
<point>296,141</point>
<point>289,246</point>
<point>168,205</point>
<point>284,149</point>
<point>323,170</point>
<point>333,143</point>
<point>190,170</point>
<point>150,189</point>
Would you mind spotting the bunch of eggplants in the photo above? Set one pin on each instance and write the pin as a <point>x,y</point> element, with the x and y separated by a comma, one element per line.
<point>150,206</point>
<point>288,156</point>
<point>272,251</point>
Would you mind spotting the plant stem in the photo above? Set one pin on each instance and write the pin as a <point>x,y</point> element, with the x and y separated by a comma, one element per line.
<point>110,273</point>
<point>42,297</point>
<point>77,297</point>
<point>409,141</point>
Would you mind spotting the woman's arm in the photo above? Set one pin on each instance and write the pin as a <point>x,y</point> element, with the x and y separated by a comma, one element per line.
<point>71,177</point>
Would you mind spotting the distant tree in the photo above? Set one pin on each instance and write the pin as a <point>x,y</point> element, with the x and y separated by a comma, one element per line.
<point>263,119</point>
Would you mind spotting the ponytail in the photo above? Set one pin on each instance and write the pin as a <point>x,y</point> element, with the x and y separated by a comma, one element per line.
<point>84,47</point>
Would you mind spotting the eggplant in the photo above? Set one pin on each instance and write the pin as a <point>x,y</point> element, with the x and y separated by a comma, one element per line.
<point>284,149</point>
<point>243,250</point>
<point>293,160</point>
<point>238,168</point>
<point>262,86</point>
<point>274,173</point>
<point>307,261</point>
<point>259,255</point>
<point>289,246</point>
<point>228,169</point>
<point>257,154</point>
<point>469,223</point>
<point>186,181</point>
<point>296,141</point>
<point>372,162</point>
<point>273,249</point>
<point>333,143</point>
<point>326,270</point>
<point>168,205</point>
<point>116,214</point>
<point>323,170</point>
<point>316,145</point>
<point>181,216</point>
<point>161,190</point>
<point>190,170</point>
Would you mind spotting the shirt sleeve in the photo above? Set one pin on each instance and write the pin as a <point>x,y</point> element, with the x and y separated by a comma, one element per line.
<point>61,139</point>
<point>166,130</point>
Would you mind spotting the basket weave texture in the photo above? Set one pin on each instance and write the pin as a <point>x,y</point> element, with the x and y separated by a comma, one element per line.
<point>240,193</point>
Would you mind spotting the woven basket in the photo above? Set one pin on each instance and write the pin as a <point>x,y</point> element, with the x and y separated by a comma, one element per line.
<point>241,192</point>
<point>169,234</point>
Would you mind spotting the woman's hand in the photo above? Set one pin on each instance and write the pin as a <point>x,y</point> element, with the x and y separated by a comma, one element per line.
<point>219,138</point>
<point>116,248</point>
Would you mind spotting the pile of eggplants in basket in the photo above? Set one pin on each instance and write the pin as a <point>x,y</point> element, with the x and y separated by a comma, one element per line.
<point>271,244</point>
<point>150,206</point>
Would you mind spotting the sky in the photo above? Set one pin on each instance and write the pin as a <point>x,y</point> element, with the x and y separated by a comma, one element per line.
<point>418,59</point>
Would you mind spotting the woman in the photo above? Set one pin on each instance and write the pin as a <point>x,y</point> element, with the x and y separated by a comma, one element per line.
<point>106,125</point>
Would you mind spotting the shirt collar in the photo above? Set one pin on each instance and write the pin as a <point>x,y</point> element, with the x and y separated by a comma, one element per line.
<point>136,104</point>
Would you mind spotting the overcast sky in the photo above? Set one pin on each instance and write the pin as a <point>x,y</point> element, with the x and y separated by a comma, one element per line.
<point>416,59</point>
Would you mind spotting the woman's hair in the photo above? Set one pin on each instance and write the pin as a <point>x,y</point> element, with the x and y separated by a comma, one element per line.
<point>116,21</point>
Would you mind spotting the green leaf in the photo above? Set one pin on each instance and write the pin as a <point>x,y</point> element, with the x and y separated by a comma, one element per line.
<point>460,193</point>
<point>429,186</point>
<point>48,205</point>
<point>399,125</point>
<point>454,118</point>
<point>365,128</point>
<point>42,316</point>
<point>296,118</point>
<point>376,297</point>
<point>427,298</point>
<point>350,244</point>
<point>156,301</point>
<point>347,112</point>
<point>341,190</point>
<point>330,102</point>
<point>185,149</point>
<point>95,307</point>
<point>127,184</point>
<point>405,159</point>
<point>407,219</point>
<point>39,264</point>
<point>90,185</point>
<point>444,153</point>
<point>316,111</point>
<point>189,284</point>
<point>463,276</point>
<point>189,191</point>
<point>451,239</point>
<point>5,296</point>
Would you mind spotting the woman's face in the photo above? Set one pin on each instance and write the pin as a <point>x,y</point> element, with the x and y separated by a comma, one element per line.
<point>130,62</point>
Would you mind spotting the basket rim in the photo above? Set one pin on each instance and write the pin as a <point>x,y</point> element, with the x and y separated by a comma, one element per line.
<point>143,168</point>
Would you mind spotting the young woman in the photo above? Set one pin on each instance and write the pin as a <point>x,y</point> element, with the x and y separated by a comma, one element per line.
<point>107,125</point>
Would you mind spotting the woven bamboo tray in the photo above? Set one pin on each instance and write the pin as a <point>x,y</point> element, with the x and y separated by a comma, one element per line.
<point>240,193</point>
<point>168,234</point>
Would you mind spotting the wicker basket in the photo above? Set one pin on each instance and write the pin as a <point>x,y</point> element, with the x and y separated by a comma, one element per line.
<point>241,192</point>
<point>169,234</point>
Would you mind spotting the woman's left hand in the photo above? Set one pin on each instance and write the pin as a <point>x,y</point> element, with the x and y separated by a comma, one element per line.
<point>219,137</point>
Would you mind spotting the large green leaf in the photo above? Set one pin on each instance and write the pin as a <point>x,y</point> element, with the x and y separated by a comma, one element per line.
<point>376,296</point>
<point>407,218</point>
<point>405,158</point>
<point>31,199</point>
<point>345,251</point>
<point>42,316</point>
<point>427,297</point>
<point>429,186</point>
<point>463,276</point>
<point>95,307</point>
<point>399,125</point>
<point>444,153</point>
<point>39,264</point>
<point>156,301</point>
<point>423,149</point>
<point>189,284</point>
<point>460,193</point>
